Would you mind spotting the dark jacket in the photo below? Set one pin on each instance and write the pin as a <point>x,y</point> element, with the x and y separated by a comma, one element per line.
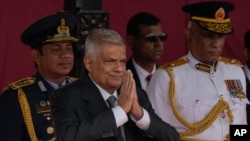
<point>248,97</point>
<point>131,66</point>
<point>80,113</point>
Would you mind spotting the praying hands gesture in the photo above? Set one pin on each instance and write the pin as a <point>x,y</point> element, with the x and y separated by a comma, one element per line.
<point>128,97</point>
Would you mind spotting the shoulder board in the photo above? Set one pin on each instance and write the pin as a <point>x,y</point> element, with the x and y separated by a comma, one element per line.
<point>23,82</point>
<point>175,63</point>
<point>231,61</point>
<point>71,79</point>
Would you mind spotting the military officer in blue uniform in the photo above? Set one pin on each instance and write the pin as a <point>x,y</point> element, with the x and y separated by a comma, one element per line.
<point>24,104</point>
<point>202,93</point>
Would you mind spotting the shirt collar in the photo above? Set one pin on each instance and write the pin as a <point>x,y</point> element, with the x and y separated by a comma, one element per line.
<point>194,61</point>
<point>141,71</point>
<point>55,85</point>
<point>103,92</point>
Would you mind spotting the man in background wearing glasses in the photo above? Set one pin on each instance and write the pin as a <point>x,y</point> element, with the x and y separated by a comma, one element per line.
<point>146,38</point>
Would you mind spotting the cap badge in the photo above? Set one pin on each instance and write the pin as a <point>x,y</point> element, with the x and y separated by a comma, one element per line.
<point>63,31</point>
<point>220,14</point>
<point>63,28</point>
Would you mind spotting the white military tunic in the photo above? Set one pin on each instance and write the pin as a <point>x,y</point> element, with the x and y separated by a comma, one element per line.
<point>196,92</point>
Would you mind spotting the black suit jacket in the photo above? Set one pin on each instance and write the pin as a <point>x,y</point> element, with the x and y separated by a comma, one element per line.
<point>131,66</point>
<point>248,97</point>
<point>80,113</point>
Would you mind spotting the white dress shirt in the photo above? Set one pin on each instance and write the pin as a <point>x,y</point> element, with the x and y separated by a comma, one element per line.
<point>143,74</point>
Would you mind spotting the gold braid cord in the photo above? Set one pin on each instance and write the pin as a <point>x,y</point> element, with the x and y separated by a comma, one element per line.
<point>24,104</point>
<point>205,123</point>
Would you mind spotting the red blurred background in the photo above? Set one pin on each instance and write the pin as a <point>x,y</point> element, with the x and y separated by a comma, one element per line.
<point>15,58</point>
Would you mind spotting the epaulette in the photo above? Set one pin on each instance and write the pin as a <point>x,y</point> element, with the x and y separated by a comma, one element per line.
<point>23,82</point>
<point>71,79</point>
<point>231,61</point>
<point>175,63</point>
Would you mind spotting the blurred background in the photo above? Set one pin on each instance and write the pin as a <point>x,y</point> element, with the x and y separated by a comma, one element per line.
<point>16,15</point>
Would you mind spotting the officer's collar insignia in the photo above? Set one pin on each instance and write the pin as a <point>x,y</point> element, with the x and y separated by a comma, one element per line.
<point>207,68</point>
<point>41,86</point>
<point>235,88</point>
<point>71,79</point>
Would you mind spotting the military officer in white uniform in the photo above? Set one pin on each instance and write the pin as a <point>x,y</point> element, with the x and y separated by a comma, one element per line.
<point>202,93</point>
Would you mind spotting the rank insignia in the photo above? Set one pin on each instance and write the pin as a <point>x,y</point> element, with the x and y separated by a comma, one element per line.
<point>44,108</point>
<point>235,88</point>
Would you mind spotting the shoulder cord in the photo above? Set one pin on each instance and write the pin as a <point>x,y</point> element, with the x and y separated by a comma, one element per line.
<point>24,104</point>
<point>202,125</point>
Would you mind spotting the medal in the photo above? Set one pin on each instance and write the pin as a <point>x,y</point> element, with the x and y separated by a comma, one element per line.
<point>235,88</point>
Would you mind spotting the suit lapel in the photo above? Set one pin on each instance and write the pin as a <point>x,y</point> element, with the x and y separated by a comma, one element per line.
<point>131,66</point>
<point>91,96</point>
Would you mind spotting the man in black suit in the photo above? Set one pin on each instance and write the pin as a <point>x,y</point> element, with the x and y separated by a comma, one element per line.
<point>247,69</point>
<point>146,38</point>
<point>80,110</point>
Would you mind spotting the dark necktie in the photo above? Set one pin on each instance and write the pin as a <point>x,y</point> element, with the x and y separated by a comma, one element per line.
<point>148,78</point>
<point>60,85</point>
<point>111,102</point>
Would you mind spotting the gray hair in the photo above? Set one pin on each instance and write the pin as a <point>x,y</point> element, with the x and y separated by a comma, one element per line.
<point>99,37</point>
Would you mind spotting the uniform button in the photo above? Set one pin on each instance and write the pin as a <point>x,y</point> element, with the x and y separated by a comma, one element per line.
<point>213,74</point>
<point>50,130</point>
<point>43,103</point>
<point>48,118</point>
<point>197,101</point>
<point>221,97</point>
<point>223,115</point>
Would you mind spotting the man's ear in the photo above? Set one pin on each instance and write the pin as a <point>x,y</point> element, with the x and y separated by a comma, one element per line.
<point>36,56</point>
<point>87,62</point>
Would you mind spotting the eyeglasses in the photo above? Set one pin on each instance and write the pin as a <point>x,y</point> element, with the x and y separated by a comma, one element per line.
<point>151,37</point>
